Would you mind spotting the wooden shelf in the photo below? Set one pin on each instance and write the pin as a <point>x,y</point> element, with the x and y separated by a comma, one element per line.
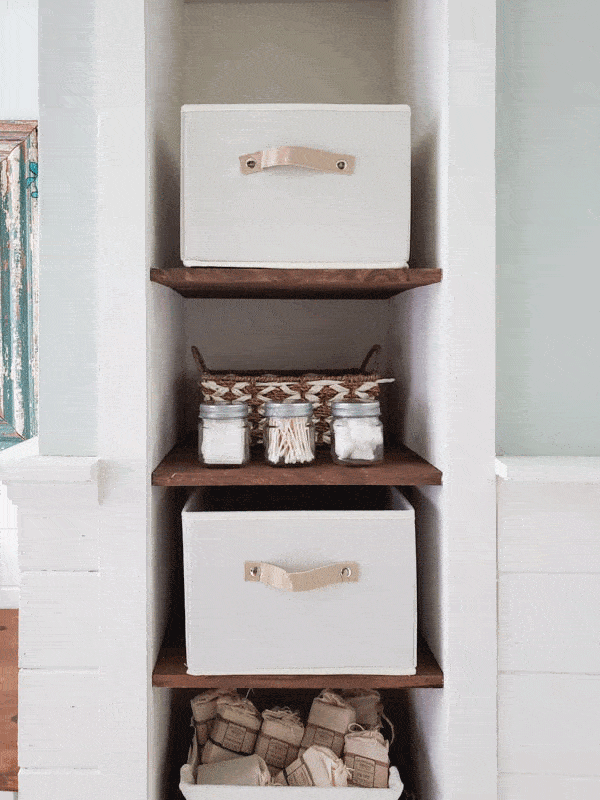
<point>170,672</point>
<point>401,467</point>
<point>8,700</point>
<point>225,282</point>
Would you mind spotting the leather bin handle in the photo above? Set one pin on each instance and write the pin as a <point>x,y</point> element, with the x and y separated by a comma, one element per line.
<point>279,578</point>
<point>307,157</point>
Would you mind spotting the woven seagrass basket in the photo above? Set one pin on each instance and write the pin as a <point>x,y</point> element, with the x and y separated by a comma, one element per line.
<point>257,388</point>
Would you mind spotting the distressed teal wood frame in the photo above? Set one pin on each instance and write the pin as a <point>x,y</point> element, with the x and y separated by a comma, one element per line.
<point>18,280</point>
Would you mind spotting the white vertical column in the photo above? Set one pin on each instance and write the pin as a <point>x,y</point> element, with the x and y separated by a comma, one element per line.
<point>57,500</point>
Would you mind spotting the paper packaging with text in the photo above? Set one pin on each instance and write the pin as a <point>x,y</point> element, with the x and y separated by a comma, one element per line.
<point>328,722</point>
<point>234,730</point>
<point>279,738</point>
<point>366,756</point>
<point>204,710</point>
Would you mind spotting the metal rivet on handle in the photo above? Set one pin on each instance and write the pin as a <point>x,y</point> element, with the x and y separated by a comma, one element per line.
<point>346,572</point>
<point>254,571</point>
<point>342,164</point>
<point>250,163</point>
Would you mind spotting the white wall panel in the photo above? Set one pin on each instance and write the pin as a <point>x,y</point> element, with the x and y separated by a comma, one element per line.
<point>18,59</point>
<point>60,542</point>
<point>548,724</point>
<point>58,621</point>
<point>9,567</point>
<point>549,623</point>
<point>43,784</point>
<point>59,719</point>
<point>8,510</point>
<point>547,787</point>
<point>548,527</point>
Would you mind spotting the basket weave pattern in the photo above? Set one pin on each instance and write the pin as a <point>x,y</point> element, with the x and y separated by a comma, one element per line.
<point>317,388</point>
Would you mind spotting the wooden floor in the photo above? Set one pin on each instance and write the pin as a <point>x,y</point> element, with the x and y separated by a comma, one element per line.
<point>8,699</point>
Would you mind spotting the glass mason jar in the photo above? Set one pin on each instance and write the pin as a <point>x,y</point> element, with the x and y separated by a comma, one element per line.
<point>356,432</point>
<point>289,433</point>
<point>224,434</point>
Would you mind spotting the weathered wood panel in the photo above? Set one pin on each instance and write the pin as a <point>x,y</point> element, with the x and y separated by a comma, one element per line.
<point>59,620</point>
<point>548,623</point>
<point>18,276</point>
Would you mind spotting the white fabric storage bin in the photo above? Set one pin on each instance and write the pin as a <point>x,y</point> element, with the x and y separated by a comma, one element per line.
<point>192,791</point>
<point>363,624</point>
<point>286,215</point>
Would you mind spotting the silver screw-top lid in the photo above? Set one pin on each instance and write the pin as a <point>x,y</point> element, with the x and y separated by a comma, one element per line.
<point>223,410</point>
<point>293,408</point>
<point>355,408</point>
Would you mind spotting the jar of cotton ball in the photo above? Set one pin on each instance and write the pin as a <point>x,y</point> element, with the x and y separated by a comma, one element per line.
<point>224,434</point>
<point>356,432</point>
<point>289,433</point>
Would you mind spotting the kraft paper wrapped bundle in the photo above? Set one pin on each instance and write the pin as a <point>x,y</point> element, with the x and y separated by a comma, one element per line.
<point>204,710</point>
<point>328,722</point>
<point>244,771</point>
<point>367,704</point>
<point>280,737</point>
<point>317,766</point>
<point>366,756</point>
<point>234,731</point>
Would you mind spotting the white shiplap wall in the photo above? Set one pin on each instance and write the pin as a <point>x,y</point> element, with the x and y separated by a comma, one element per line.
<point>548,644</point>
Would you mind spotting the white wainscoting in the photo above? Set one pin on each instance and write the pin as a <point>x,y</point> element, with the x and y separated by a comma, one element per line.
<point>548,644</point>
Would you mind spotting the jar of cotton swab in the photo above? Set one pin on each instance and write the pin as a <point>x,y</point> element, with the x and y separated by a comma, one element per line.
<point>289,433</point>
<point>356,432</point>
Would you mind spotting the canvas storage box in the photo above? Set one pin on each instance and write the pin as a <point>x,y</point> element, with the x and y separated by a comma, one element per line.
<point>342,560</point>
<point>295,185</point>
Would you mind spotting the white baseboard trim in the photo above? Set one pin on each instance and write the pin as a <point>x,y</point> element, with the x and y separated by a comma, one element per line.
<point>9,598</point>
<point>549,469</point>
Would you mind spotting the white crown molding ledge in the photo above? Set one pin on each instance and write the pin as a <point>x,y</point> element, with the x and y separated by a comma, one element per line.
<point>23,464</point>
<point>549,469</point>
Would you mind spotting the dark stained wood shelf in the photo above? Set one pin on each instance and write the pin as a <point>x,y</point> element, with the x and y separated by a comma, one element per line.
<point>170,672</point>
<point>8,700</point>
<point>401,467</point>
<point>226,282</point>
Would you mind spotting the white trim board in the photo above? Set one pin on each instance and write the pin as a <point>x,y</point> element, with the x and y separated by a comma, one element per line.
<point>549,469</point>
<point>24,464</point>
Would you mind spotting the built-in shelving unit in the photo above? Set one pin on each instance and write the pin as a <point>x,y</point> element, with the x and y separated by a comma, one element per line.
<point>437,343</point>
<point>170,672</point>
<point>400,467</point>
<point>224,282</point>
